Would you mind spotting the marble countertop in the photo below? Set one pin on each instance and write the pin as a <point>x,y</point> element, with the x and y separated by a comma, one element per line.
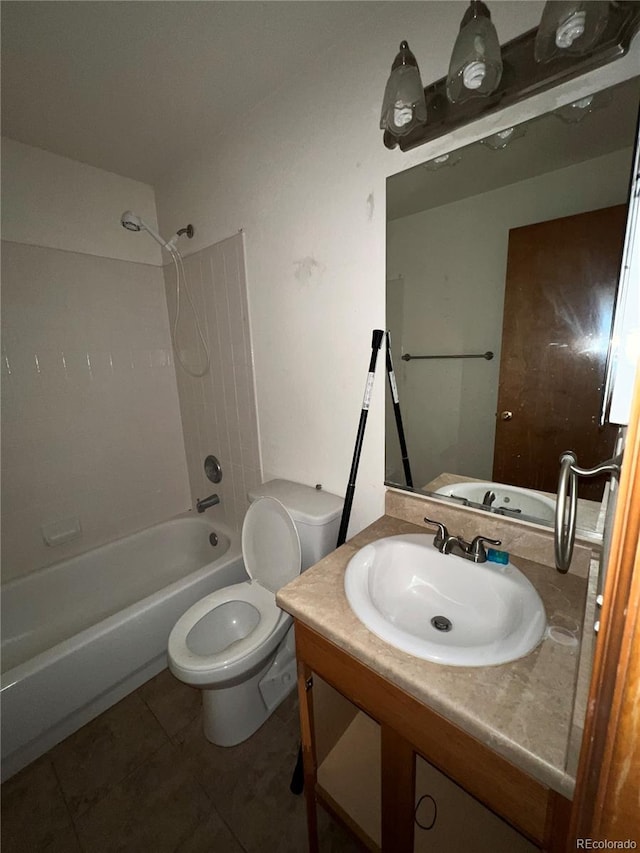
<point>523,710</point>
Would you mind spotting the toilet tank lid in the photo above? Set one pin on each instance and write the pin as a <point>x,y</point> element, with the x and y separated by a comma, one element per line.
<point>303,503</point>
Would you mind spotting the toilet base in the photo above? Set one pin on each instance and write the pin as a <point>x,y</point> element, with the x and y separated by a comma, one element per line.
<point>280,678</point>
<point>233,714</point>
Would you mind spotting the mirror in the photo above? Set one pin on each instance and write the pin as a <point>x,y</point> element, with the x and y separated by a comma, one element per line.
<point>502,265</point>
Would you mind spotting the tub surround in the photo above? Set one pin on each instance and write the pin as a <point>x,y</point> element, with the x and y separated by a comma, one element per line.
<point>89,404</point>
<point>218,411</point>
<point>526,716</point>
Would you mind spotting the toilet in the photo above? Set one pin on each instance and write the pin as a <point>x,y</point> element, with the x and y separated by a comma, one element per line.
<point>236,644</point>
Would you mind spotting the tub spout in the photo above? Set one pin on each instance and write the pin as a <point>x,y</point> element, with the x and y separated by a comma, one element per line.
<point>205,503</point>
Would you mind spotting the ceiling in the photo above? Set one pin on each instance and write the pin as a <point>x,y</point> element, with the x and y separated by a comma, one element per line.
<point>115,84</point>
<point>137,87</point>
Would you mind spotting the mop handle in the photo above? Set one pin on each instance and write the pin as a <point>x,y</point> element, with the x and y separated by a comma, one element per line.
<point>393,388</point>
<point>376,343</point>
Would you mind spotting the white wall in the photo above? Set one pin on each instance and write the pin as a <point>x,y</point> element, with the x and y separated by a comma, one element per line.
<point>304,175</point>
<point>90,417</point>
<point>48,200</point>
<point>453,262</point>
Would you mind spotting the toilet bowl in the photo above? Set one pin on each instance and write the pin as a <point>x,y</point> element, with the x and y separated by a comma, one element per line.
<point>225,636</point>
<point>236,644</point>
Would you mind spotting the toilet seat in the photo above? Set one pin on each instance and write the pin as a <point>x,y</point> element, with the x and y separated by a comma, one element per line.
<point>270,544</point>
<point>264,601</point>
<point>272,555</point>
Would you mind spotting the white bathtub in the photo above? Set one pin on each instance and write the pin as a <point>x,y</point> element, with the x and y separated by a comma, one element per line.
<point>79,635</point>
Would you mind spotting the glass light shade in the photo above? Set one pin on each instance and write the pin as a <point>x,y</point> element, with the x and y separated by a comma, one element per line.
<point>476,62</point>
<point>498,141</point>
<point>443,161</point>
<point>579,110</point>
<point>570,28</point>
<point>403,106</point>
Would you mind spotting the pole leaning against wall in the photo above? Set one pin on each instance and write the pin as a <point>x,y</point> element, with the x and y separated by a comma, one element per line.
<point>376,343</point>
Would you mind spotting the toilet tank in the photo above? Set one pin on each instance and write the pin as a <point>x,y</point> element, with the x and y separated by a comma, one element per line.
<point>316,514</point>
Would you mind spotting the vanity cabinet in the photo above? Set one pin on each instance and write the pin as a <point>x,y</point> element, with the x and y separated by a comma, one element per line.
<point>371,751</point>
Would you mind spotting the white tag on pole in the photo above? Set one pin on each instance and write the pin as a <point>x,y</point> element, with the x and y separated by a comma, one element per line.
<point>368,390</point>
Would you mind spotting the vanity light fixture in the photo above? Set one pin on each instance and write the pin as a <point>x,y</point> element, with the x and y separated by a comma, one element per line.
<point>498,141</point>
<point>403,105</point>
<point>570,27</point>
<point>476,64</point>
<point>443,161</point>
<point>574,37</point>
<point>579,110</point>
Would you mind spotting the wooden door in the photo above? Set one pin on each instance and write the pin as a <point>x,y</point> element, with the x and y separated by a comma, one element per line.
<point>560,290</point>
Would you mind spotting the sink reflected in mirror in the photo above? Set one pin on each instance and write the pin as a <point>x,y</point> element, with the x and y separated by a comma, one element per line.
<point>443,608</point>
<point>505,500</point>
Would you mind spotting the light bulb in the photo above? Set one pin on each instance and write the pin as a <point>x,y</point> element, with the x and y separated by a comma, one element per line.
<point>474,74</point>
<point>570,30</point>
<point>402,114</point>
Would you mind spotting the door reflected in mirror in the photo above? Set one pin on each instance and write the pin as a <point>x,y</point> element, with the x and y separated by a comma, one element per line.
<point>511,248</point>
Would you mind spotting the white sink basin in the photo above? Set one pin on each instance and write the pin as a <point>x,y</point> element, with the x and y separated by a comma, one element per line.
<point>513,499</point>
<point>402,589</point>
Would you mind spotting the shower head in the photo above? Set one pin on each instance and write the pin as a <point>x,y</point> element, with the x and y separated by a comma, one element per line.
<point>132,222</point>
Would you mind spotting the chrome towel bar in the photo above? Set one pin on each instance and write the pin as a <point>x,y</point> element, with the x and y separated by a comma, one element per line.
<point>565,519</point>
<point>408,357</point>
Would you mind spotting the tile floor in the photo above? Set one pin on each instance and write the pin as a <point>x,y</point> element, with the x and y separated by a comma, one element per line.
<point>142,778</point>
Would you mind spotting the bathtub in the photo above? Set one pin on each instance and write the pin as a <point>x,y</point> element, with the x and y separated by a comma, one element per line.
<point>80,635</point>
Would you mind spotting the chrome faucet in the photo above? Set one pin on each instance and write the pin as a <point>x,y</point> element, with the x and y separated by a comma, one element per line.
<point>489,498</point>
<point>447,544</point>
<point>205,503</point>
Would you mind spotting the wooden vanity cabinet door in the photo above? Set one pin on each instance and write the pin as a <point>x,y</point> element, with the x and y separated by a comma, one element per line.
<point>450,819</point>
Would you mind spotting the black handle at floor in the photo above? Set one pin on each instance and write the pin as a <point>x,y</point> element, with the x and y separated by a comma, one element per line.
<point>297,779</point>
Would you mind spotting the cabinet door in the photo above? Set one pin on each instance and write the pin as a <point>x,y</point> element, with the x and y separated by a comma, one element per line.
<point>458,821</point>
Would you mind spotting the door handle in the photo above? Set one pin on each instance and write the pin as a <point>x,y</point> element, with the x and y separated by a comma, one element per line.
<point>506,416</point>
